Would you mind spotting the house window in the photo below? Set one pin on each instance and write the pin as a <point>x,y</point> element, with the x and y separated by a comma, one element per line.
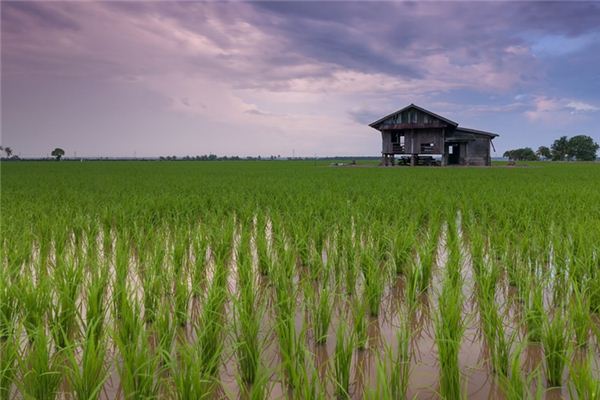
<point>395,137</point>
<point>427,119</point>
<point>426,148</point>
<point>401,140</point>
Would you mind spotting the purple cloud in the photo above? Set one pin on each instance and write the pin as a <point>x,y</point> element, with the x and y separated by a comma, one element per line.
<point>280,76</point>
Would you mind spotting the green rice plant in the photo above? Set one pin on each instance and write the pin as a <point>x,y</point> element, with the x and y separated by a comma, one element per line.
<point>392,371</point>
<point>412,286</point>
<point>181,299</point>
<point>427,251</point>
<point>593,289</point>
<point>583,384</point>
<point>248,313</point>
<point>321,311</point>
<point>34,300</point>
<point>514,385</point>
<point>68,277</point>
<point>292,353</point>
<point>555,340</point>
<point>40,369</point>
<point>139,368</point>
<point>534,312</point>
<point>401,364</point>
<point>351,269</point>
<point>199,267</point>
<point>402,248</point>
<point>190,380</point>
<point>360,322</point>
<point>265,263</point>
<point>580,316</point>
<point>165,330</point>
<point>313,387</point>
<point>260,388</point>
<point>449,330</point>
<point>8,305</point>
<point>492,321</point>
<point>151,285</point>
<point>9,352</point>
<point>374,278</point>
<point>86,376</point>
<point>381,389</point>
<point>342,362</point>
<point>95,303</point>
<point>209,329</point>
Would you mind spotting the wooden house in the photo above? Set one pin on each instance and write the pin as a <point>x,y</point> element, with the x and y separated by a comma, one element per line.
<point>415,133</point>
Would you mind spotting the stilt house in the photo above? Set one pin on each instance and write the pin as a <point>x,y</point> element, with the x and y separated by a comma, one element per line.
<point>414,132</point>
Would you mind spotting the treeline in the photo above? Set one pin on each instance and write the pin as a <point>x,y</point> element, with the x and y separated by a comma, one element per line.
<point>214,157</point>
<point>577,148</point>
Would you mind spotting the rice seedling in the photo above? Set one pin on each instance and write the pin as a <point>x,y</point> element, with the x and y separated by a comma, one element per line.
<point>248,314</point>
<point>361,323</point>
<point>165,330</point>
<point>515,386</point>
<point>583,385</point>
<point>190,380</point>
<point>393,371</point>
<point>265,263</point>
<point>8,305</point>
<point>374,278</point>
<point>139,370</point>
<point>534,313</point>
<point>402,248</point>
<point>9,353</point>
<point>555,340</point>
<point>86,374</point>
<point>580,316</point>
<point>40,369</point>
<point>321,310</point>
<point>449,329</point>
<point>342,361</point>
<point>209,329</point>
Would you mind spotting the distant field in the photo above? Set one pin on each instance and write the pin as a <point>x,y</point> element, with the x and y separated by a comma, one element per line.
<point>299,280</point>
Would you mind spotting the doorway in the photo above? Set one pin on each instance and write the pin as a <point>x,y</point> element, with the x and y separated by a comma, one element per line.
<point>453,154</point>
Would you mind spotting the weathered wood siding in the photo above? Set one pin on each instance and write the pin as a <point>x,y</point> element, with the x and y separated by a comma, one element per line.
<point>386,140</point>
<point>478,152</point>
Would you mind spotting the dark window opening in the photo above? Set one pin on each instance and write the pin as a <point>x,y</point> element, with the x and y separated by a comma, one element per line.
<point>427,148</point>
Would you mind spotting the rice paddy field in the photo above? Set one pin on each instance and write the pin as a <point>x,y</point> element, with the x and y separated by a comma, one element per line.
<point>296,280</point>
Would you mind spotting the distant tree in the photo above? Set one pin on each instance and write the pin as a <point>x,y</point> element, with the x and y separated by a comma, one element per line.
<point>544,152</point>
<point>583,148</point>
<point>560,149</point>
<point>58,153</point>
<point>8,152</point>
<point>523,154</point>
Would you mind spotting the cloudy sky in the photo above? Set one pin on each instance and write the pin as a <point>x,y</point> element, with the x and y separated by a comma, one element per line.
<point>159,78</point>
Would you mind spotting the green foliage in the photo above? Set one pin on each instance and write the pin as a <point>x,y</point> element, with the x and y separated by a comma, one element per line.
<point>580,148</point>
<point>523,154</point>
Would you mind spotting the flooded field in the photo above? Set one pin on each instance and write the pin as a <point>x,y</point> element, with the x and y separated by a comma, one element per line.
<point>288,280</point>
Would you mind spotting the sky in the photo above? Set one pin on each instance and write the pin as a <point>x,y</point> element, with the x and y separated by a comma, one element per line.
<point>290,78</point>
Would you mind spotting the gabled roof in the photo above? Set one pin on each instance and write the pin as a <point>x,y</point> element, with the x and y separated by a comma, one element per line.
<point>475,132</point>
<point>446,120</point>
